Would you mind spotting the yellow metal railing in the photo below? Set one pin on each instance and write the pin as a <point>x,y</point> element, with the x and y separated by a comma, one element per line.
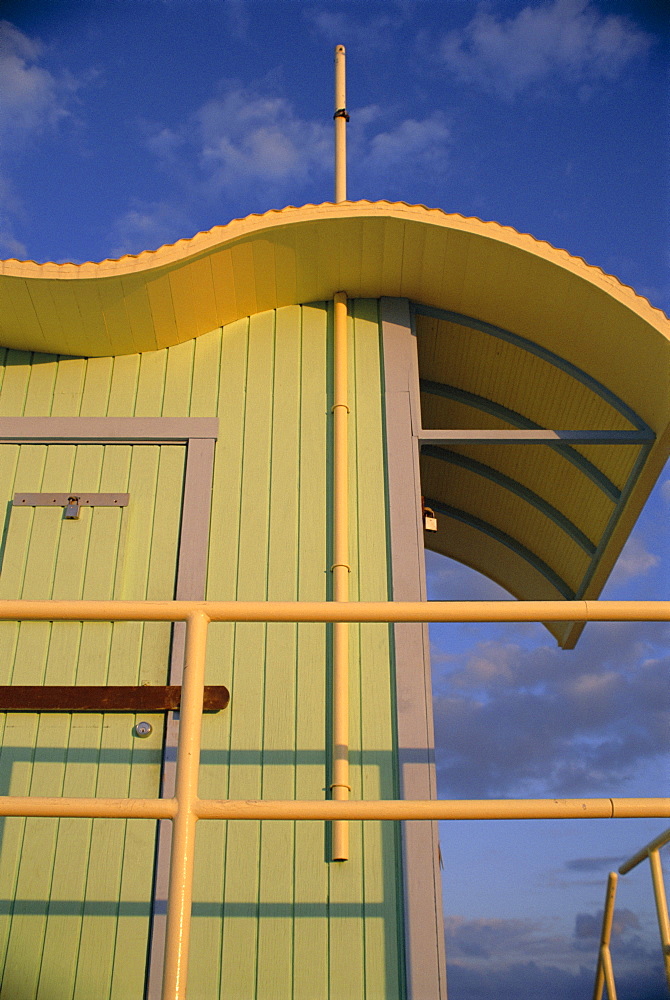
<point>604,971</point>
<point>186,808</point>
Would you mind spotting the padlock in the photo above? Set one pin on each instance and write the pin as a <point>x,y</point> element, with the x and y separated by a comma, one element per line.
<point>429,519</point>
<point>72,509</point>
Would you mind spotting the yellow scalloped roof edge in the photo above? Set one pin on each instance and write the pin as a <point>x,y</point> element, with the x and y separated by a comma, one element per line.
<point>187,247</point>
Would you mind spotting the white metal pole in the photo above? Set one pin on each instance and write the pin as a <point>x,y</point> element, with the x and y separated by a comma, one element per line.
<point>341,118</point>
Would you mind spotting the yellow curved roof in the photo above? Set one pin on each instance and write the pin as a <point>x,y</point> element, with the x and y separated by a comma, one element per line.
<point>511,331</point>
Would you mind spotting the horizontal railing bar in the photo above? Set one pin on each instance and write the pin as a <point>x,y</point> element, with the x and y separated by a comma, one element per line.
<point>333,611</point>
<point>29,805</point>
<point>100,698</point>
<point>644,852</point>
<point>320,809</point>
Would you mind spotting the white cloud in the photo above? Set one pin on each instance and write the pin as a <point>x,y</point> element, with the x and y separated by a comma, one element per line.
<point>32,101</point>
<point>244,151</point>
<point>417,144</point>
<point>565,40</point>
<point>634,561</point>
<point>146,227</point>
<point>31,97</point>
<point>246,137</point>
<point>575,723</point>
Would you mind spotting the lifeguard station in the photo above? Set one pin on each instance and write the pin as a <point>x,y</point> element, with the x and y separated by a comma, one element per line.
<point>217,460</point>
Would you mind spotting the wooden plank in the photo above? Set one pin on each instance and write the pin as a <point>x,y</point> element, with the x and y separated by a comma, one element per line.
<point>209,928</point>
<point>70,698</point>
<point>123,386</point>
<point>26,940</point>
<point>40,390</point>
<point>310,892</point>
<point>68,387</point>
<point>381,912</point>
<point>97,386</point>
<point>240,940</point>
<point>206,377</point>
<point>150,384</point>
<point>137,872</point>
<point>104,868</point>
<point>423,930</point>
<point>15,383</point>
<point>66,897</point>
<point>16,766</point>
<point>275,931</point>
<point>178,380</point>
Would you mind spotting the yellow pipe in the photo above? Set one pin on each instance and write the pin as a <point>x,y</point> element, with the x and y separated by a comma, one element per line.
<point>332,611</point>
<point>180,892</point>
<point>341,119</point>
<point>33,805</point>
<point>340,569</point>
<point>434,809</point>
<point>661,908</point>
<point>318,809</point>
<point>644,852</point>
<point>604,973</point>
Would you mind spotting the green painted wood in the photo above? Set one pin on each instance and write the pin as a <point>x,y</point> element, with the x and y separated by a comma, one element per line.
<point>273,919</point>
<point>310,876</point>
<point>79,925</point>
<point>275,930</point>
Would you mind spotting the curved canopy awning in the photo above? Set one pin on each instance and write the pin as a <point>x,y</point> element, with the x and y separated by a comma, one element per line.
<point>513,335</point>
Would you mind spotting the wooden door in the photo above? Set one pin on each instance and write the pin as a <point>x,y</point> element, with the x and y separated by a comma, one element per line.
<point>75,894</point>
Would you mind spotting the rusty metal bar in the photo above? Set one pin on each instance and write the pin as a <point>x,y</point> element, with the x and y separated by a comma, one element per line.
<point>84,698</point>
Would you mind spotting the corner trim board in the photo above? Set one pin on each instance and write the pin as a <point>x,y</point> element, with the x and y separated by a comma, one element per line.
<point>422,884</point>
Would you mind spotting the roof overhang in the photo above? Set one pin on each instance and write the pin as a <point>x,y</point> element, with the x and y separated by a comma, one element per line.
<point>512,334</point>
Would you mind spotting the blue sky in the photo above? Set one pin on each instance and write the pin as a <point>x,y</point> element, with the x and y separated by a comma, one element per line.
<point>128,124</point>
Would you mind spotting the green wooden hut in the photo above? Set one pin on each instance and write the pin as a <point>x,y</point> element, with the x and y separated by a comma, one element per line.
<point>181,401</point>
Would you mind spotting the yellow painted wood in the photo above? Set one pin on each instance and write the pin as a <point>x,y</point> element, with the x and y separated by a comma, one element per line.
<point>177,394</point>
<point>15,383</point>
<point>509,279</point>
<point>275,931</point>
<point>205,386</point>
<point>97,385</point>
<point>310,971</point>
<point>383,963</point>
<point>150,384</point>
<point>123,386</point>
<point>41,385</point>
<point>140,317</point>
<point>272,918</point>
<point>70,376</point>
<point>242,875</point>
<point>83,891</point>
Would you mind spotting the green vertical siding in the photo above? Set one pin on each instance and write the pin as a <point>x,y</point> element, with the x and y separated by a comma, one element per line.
<point>273,920</point>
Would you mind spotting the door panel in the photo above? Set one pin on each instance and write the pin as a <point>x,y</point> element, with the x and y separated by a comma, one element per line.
<point>75,894</point>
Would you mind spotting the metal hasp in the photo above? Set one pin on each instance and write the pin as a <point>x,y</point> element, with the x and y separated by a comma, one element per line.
<point>82,698</point>
<point>72,502</point>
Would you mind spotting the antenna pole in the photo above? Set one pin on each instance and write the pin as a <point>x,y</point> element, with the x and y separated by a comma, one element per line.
<point>341,118</point>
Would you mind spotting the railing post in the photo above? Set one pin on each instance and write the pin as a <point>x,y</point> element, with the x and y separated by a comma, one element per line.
<point>661,908</point>
<point>604,971</point>
<point>180,893</point>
